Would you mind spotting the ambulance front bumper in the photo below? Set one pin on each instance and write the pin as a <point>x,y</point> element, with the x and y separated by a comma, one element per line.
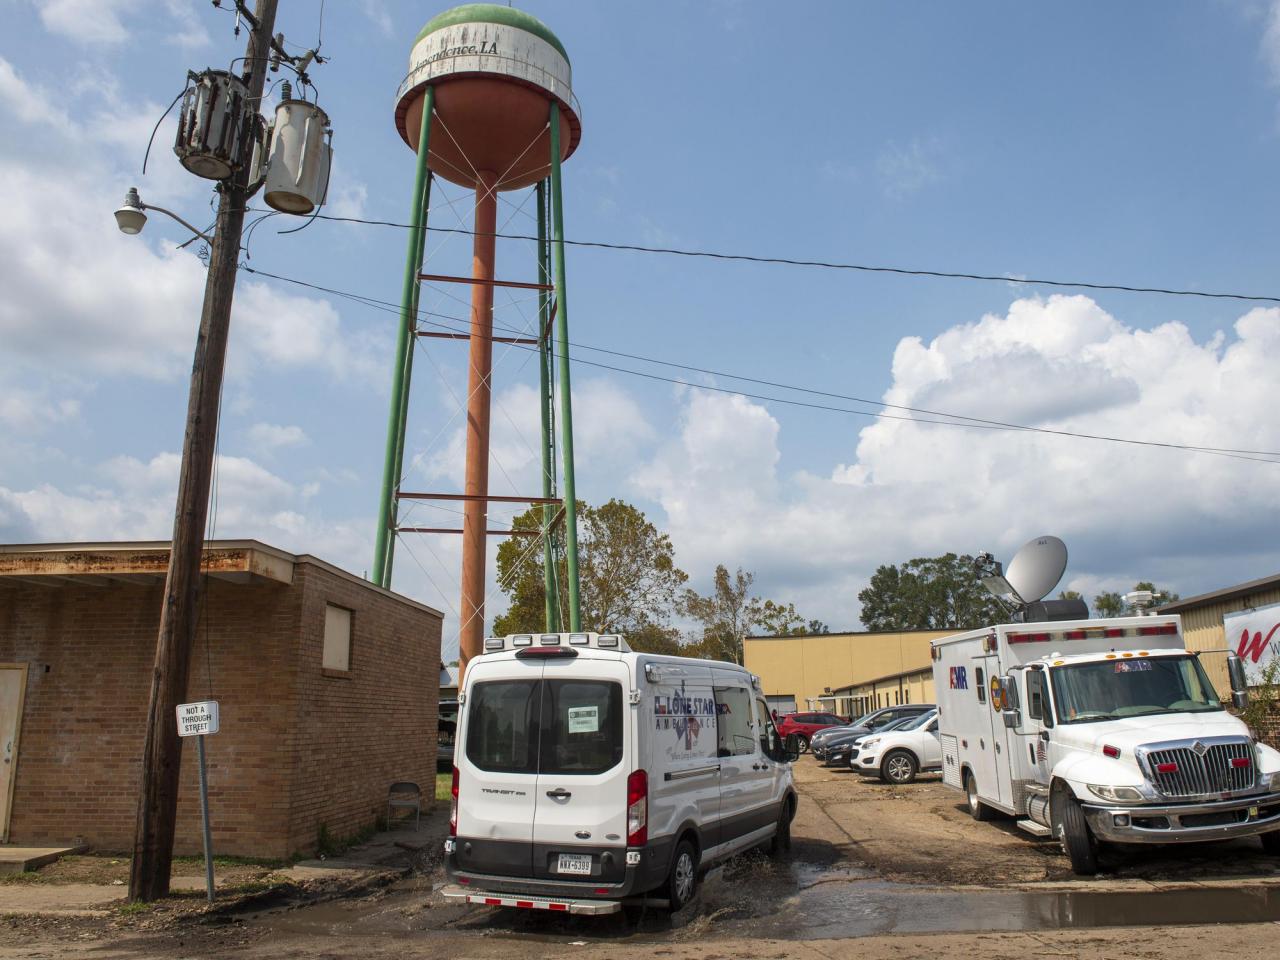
<point>1185,822</point>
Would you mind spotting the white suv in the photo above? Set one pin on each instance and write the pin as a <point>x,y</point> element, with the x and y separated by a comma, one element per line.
<point>899,755</point>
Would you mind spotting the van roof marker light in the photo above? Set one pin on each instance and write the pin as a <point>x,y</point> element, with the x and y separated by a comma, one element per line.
<point>579,639</point>
<point>521,640</point>
<point>549,639</point>
<point>494,643</point>
<point>608,640</point>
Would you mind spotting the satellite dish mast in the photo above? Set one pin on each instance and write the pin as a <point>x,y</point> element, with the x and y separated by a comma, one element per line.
<point>1033,572</point>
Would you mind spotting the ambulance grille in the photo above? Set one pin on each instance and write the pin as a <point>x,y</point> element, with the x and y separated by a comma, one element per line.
<point>1191,772</point>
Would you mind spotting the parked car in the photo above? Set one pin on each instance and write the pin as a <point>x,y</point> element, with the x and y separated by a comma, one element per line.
<point>876,720</point>
<point>805,725</point>
<point>897,756</point>
<point>446,733</point>
<point>839,754</point>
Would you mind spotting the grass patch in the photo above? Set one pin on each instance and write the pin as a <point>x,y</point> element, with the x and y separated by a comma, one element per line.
<point>26,876</point>
<point>257,886</point>
<point>133,908</point>
<point>444,786</point>
<point>328,845</point>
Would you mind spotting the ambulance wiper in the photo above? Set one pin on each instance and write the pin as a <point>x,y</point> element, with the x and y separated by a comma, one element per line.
<point>1093,717</point>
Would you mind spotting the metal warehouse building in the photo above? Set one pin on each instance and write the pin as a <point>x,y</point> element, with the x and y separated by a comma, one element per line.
<point>846,673</point>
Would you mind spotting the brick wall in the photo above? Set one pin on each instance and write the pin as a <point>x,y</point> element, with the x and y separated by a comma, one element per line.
<point>357,734</point>
<point>296,749</point>
<point>90,651</point>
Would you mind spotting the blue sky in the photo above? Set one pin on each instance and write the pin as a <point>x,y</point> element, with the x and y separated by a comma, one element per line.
<point>1133,143</point>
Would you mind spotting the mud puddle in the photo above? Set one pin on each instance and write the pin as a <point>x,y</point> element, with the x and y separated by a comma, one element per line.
<point>801,900</point>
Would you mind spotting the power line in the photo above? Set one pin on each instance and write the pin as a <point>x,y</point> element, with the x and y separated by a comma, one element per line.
<point>955,420</point>
<point>836,265</point>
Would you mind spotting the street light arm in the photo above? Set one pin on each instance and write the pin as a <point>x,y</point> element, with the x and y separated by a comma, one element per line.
<point>203,236</point>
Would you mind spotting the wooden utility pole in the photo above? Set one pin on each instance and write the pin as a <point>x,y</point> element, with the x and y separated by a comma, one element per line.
<point>162,752</point>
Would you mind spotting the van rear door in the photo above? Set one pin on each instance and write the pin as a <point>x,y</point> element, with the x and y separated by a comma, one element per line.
<point>497,760</point>
<point>585,756</point>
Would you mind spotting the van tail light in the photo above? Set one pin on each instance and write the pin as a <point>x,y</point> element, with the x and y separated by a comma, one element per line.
<point>637,809</point>
<point>453,812</point>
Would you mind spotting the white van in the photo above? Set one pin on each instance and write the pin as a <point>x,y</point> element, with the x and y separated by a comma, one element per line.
<point>586,775</point>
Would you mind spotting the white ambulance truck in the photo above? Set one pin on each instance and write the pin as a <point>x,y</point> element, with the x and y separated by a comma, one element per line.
<point>587,776</point>
<point>1100,730</point>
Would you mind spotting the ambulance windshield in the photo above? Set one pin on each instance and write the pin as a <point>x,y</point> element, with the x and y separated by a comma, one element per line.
<point>1132,687</point>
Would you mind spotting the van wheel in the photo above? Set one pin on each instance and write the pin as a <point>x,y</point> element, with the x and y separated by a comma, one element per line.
<point>781,842</point>
<point>682,882</point>
<point>1078,842</point>
<point>1271,843</point>
<point>977,809</point>
<point>898,767</point>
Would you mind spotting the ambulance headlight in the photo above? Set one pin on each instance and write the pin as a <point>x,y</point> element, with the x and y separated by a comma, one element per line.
<point>1116,794</point>
<point>1273,781</point>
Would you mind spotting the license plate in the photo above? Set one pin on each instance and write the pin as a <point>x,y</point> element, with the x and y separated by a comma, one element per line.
<point>569,863</point>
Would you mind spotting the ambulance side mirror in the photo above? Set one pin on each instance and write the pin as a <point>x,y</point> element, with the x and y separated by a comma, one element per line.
<point>792,748</point>
<point>1239,682</point>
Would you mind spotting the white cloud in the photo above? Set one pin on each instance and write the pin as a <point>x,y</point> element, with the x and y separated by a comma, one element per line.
<point>1271,40</point>
<point>29,103</point>
<point>376,11</point>
<point>87,21</point>
<point>267,438</point>
<point>908,168</point>
<point>1194,521</point>
<point>189,33</point>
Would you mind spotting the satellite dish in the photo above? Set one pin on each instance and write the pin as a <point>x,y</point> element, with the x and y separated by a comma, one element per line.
<point>1036,568</point>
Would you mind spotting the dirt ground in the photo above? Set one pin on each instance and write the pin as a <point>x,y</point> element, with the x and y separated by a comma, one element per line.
<point>874,871</point>
<point>922,833</point>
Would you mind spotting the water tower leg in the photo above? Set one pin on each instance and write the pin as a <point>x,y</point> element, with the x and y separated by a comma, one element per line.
<point>384,544</point>
<point>550,588</point>
<point>475,521</point>
<point>566,404</point>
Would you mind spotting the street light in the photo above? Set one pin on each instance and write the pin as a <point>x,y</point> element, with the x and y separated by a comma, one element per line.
<point>131,218</point>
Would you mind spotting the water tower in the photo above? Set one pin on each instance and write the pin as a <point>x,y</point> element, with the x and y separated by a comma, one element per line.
<point>488,104</point>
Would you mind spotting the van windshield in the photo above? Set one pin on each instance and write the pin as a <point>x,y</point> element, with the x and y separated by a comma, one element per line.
<point>545,726</point>
<point>1132,687</point>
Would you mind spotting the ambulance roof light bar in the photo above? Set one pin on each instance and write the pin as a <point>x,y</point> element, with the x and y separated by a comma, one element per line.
<point>603,641</point>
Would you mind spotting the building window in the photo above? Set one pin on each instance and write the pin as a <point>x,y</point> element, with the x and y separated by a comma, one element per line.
<point>337,639</point>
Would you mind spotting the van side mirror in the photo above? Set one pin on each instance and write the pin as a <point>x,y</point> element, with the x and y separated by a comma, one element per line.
<point>792,747</point>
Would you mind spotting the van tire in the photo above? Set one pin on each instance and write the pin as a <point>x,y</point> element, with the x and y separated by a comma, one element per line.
<point>1078,842</point>
<point>1271,843</point>
<point>899,767</point>
<point>682,881</point>
<point>780,845</point>
<point>977,809</point>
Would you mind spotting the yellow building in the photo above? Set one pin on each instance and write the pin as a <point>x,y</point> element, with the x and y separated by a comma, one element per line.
<point>1202,620</point>
<point>846,673</point>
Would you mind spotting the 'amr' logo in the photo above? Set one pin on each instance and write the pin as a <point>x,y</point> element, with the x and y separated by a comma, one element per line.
<point>959,678</point>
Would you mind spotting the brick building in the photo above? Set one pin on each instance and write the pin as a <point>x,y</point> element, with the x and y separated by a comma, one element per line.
<point>327,688</point>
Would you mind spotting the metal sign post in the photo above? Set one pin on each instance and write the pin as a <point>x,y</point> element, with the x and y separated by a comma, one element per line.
<point>200,720</point>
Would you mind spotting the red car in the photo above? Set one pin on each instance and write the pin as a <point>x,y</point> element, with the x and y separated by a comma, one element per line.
<point>805,725</point>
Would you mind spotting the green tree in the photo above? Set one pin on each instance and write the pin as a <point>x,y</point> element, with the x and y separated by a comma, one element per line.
<point>1108,604</point>
<point>730,613</point>
<point>928,593</point>
<point>628,579</point>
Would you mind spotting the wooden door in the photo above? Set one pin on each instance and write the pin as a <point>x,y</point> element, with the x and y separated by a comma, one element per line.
<point>13,689</point>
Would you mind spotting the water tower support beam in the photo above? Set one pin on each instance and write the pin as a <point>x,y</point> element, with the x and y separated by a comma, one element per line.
<point>384,544</point>
<point>479,388</point>
<point>566,400</point>
<point>550,588</point>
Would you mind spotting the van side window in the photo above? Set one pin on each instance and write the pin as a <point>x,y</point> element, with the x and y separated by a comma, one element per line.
<point>770,744</point>
<point>980,679</point>
<point>733,722</point>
